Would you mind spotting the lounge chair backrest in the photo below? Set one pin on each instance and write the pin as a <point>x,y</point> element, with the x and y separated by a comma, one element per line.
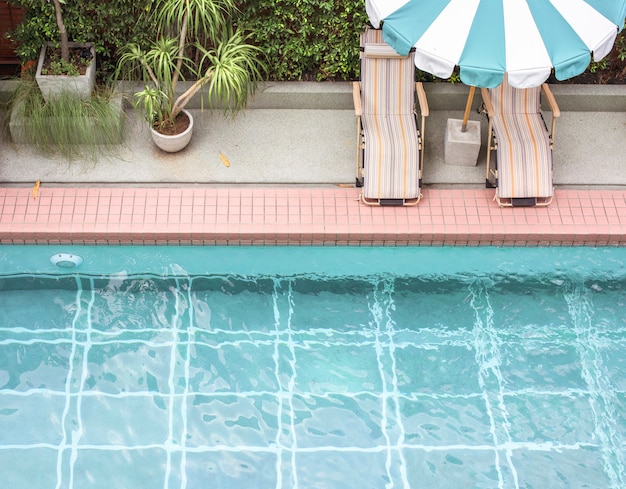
<point>387,78</point>
<point>509,100</point>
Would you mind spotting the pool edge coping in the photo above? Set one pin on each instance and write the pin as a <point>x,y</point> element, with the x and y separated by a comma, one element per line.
<point>302,216</point>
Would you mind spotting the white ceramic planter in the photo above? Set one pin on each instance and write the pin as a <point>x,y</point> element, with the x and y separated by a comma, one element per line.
<point>175,143</point>
<point>53,85</point>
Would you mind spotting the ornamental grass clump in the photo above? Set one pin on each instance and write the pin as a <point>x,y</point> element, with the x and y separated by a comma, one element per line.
<point>66,125</point>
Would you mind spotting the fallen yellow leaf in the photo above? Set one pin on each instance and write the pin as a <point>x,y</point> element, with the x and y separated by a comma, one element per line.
<point>36,189</point>
<point>224,160</point>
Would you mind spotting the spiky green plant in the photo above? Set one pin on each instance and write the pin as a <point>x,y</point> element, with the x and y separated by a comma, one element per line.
<point>223,61</point>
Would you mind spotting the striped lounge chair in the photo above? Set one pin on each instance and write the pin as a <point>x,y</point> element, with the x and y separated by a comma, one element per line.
<point>389,152</point>
<point>523,145</point>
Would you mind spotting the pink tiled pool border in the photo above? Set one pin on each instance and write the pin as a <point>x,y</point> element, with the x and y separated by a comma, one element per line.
<point>302,216</point>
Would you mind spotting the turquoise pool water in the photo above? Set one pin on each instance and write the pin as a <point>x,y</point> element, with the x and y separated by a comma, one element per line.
<point>313,368</point>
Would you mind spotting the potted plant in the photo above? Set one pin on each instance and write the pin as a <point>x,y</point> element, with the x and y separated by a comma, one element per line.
<point>73,71</point>
<point>194,42</point>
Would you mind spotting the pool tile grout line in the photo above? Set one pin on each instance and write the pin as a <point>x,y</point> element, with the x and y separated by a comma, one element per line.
<point>496,347</point>
<point>303,216</point>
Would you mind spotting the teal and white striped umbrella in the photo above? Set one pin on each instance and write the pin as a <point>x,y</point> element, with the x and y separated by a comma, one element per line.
<point>486,38</point>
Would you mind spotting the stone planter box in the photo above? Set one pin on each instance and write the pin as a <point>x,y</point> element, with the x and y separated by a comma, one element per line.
<point>54,85</point>
<point>570,97</point>
<point>338,95</point>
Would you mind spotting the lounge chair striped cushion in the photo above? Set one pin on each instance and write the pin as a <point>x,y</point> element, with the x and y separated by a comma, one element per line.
<point>391,139</point>
<point>524,153</point>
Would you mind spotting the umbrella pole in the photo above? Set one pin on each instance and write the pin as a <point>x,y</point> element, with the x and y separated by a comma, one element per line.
<point>468,107</point>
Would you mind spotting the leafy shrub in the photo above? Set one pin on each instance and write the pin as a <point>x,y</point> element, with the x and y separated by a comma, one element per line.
<point>306,39</point>
<point>301,39</point>
<point>110,25</point>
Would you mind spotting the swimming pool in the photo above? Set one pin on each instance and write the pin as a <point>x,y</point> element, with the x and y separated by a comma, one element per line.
<point>313,368</point>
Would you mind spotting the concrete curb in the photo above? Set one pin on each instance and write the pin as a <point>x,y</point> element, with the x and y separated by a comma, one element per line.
<point>441,96</point>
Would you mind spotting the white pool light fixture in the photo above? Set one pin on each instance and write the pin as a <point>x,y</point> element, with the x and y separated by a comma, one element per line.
<point>66,260</point>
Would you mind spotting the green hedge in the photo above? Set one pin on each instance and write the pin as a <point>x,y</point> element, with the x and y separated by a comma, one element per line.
<point>306,39</point>
<point>302,39</point>
<point>109,24</point>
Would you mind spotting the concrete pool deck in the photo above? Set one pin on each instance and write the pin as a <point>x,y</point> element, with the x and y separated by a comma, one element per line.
<point>291,175</point>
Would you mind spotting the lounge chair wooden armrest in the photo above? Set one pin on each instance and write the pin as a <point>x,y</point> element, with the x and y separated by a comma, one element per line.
<point>356,97</point>
<point>487,101</point>
<point>554,107</point>
<point>421,99</point>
